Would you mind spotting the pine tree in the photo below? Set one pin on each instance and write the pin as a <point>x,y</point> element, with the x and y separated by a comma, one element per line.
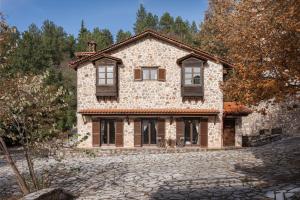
<point>194,28</point>
<point>30,54</point>
<point>166,23</point>
<point>54,41</point>
<point>83,37</point>
<point>151,22</point>
<point>121,35</point>
<point>141,20</point>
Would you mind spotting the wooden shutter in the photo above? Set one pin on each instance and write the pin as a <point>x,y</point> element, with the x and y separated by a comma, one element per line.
<point>137,74</point>
<point>137,133</point>
<point>161,128</point>
<point>179,129</point>
<point>119,133</point>
<point>162,74</point>
<point>96,133</point>
<point>204,132</point>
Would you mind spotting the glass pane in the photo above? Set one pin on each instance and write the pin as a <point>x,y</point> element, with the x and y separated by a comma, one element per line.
<point>101,69</point>
<point>110,81</point>
<point>153,132</point>
<point>197,70</point>
<point>188,69</point>
<point>110,69</point>
<point>111,132</point>
<point>101,75</point>
<point>195,132</point>
<point>104,138</point>
<point>188,81</point>
<point>187,132</point>
<point>188,76</point>
<point>145,132</point>
<point>197,80</point>
<point>110,75</point>
<point>101,81</point>
<point>146,74</point>
<point>153,74</point>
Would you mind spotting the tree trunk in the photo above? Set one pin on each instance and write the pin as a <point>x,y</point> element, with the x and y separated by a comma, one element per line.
<point>31,169</point>
<point>20,179</point>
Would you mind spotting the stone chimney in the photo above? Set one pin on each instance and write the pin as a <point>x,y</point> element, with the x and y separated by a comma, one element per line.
<point>92,46</point>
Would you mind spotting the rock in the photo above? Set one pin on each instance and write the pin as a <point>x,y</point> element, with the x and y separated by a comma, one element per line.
<point>49,194</point>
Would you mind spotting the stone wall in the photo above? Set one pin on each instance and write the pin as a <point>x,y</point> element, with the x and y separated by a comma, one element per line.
<point>151,94</point>
<point>285,116</point>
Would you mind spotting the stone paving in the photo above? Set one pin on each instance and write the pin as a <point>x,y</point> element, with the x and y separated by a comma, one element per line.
<point>251,173</point>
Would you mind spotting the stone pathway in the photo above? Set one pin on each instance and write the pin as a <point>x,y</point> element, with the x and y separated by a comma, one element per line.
<point>252,173</point>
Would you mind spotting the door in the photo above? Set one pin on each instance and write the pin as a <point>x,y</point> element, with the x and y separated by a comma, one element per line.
<point>149,132</point>
<point>229,132</point>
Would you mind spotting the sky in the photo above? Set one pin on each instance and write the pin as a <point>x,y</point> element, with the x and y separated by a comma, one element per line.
<point>110,14</point>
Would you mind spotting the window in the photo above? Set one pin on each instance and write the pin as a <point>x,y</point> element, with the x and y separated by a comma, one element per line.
<point>192,75</point>
<point>107,132</point>
<point>149,132</point>
<point>105,75</point>
<point>149,73</point>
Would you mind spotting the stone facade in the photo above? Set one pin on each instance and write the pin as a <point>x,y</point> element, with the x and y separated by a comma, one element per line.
<point>285,116</point>
<point>149,52</point>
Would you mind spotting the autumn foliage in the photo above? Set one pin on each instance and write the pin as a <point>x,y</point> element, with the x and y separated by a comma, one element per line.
<point>262,39</point>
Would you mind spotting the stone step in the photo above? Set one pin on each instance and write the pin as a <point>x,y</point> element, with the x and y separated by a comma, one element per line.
<point>136,151</point>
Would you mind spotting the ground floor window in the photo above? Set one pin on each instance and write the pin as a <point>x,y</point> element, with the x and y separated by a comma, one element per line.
<point>149,131</point>
<point>107,132</point>
<point>191,132</point>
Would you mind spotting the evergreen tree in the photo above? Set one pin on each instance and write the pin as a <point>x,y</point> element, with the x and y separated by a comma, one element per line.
<point>121,35</point>
<point>151,22</point>
<point>83,37</point>
<point>194,28</point>
<point>166,23</point>
<point>182,30</point>
<point>107,39</point>
<point>141,20</point>
<point>54,41</point>
<point>30,54</point>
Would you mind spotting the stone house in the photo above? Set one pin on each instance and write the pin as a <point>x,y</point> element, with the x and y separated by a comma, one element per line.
<point>151,90</point>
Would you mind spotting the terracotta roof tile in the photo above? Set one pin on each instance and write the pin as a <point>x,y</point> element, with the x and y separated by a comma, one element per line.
<point>234,108</point>
<point>171,111</point>
<point>85,53</point>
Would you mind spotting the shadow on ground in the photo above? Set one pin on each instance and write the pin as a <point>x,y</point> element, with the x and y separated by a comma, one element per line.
<point>276,175</point>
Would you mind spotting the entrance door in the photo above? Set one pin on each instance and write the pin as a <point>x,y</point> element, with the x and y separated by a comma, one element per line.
<point>107,132</point>
<point>191,132</point>
<point>149,132</point>
<point>229,132</point>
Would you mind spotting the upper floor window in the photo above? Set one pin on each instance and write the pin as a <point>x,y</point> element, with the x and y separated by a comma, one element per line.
<point>105,75</point>
<point>192,72</point>
<point>149,73</point>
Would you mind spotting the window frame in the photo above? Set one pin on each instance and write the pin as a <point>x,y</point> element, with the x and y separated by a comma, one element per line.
<point>105,66</point>
<point>149,71</point>
<point>192,63</point>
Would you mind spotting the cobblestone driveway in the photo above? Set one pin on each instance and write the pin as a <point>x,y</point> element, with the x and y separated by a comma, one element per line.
<point>253,173</point>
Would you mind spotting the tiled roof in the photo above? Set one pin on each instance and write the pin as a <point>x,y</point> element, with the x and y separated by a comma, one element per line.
<point>86,53</point>
<point>234,108</point>
<point>74,64</point>
<point>94,57</point>
<point>171,111</point>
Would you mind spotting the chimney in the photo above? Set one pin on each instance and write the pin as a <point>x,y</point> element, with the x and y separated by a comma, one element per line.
<point>92,46</point>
